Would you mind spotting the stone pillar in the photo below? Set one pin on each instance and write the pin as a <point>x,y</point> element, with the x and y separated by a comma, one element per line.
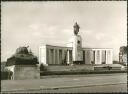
<point>68,57</point>
<point>42,55</point>
<point>58,56</point>
<point>77,48</point>
<point>109,57</point>
<point>54,57</point>
<point>62,56</point>
<point>98,57</point>
<point>103,56</point>
<point>93,57</point>
<point>49,56</point>
<point>87,56</point>
<point>106,59</point>
<point>84,56</point>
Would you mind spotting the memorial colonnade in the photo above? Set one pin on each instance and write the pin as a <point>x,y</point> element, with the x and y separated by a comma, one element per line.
<point>56,55</point>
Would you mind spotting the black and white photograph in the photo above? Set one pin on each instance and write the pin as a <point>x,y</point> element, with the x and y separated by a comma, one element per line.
<point>64,47</point>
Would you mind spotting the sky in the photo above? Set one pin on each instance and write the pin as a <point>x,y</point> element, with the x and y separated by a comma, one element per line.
<point>103,24</point>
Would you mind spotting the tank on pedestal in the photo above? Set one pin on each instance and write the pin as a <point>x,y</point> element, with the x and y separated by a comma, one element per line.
<point>23,65</point>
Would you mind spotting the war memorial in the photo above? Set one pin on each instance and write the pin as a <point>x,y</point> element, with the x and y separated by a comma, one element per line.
<point>73,53</point>
<point>63,47</point>
<point>64,69</point>
<point>24,65</point>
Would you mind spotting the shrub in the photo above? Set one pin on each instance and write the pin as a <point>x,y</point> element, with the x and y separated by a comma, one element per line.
<point>43,68</point>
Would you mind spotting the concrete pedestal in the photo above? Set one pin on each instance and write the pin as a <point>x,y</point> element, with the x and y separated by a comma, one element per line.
<point>22,72</point>
<point>77,49</point>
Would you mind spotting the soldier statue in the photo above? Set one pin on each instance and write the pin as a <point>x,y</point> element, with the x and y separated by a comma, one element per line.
<point>76,28</point>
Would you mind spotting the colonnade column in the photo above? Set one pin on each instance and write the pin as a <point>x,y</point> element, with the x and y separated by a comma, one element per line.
<point>109,56</point>
<point>54,61</point>
<point>68,57</point>
<point>106,57</point>
<point>98,56</point>
<point>95,56</point>
<point>58,56</point>
<point>62,56</point>
<point>87,56</point>
<point>49,56</point>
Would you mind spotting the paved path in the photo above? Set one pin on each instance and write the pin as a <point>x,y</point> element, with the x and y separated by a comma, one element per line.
<point>72,83</point>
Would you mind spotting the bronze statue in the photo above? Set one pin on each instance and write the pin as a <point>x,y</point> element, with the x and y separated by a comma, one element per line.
<point>76,28</point>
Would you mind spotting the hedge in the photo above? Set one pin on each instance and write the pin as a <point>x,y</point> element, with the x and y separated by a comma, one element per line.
<point>5,75</point>
<point>43,73</point>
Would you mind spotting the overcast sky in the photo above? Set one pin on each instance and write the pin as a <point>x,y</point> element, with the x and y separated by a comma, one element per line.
<point>103,24</point>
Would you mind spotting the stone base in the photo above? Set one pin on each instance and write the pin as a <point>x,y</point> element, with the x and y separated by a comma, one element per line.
<point>77,48</point>
<point>22,72</point>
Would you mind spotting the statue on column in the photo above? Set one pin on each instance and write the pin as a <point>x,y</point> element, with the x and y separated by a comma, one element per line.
<point>77,46</point>
<point>76,28</point>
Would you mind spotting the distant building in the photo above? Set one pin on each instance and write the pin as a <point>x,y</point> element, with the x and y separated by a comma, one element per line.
<point>123,55</point>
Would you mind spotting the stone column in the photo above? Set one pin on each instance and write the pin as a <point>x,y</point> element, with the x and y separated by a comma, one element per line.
<point>77,48</point>
<point>62,56</point>
<point>95,56</point>
<point>87,56</point>
<point>103,56</point>
<point>109,57</point>
<point>49,57</point>
<point>42,55</point>
<point>91,57</point>
<point>68,57</point>
<point>106,57</point>
<point>57,56</point>
<point>54,62</point>
<point>84,56</point>
<point>98,57</point>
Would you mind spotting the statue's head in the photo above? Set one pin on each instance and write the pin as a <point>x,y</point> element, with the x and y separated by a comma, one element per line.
<point>76,28</point>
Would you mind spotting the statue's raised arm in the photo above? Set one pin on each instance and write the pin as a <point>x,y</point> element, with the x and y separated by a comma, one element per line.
<point>76,28</point>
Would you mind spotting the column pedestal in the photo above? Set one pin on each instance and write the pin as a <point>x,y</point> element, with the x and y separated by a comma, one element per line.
<point>77,49</point>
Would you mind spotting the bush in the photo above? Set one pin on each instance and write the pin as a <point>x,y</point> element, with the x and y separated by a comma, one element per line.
<point>79,72</point>
<point>43,68</point>
<point>6,75</point>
